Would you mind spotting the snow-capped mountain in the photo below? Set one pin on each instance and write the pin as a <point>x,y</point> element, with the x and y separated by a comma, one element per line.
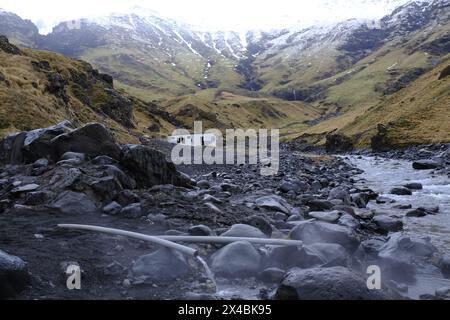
<point>152,54</point>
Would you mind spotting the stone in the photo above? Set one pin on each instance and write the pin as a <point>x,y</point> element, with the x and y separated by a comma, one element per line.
<point>203,184</point>
<point>426,165</point>
<point>132,211</point>
<point>200,231</point>
<point>396,257</point>
<point>284,257</point>
<point>25,188</point>
<point>417,213</point>
<point>311,232</point>
<point>323,255</point>
<point>112,209</point>
<point>360,199</point>
<point>319,205</point>
<point>383,200</point>
<point>41,163</point>
<point>401,191</point>
<point>430,210</point>
<point>337,283</point>
<point>106,188</point>
<point>296,186</point>
<point>72,203</point>
<point>212,199</point>
<point>161,266</point>
<point>28,147</point>
<point>114,269</point>
<point>104,160</point>
<point>340,193</point>
<point>38,198</point>
<point>213,208</point>
<point>414,186</point>
<point>80,157</point>
<point>14,276</point>
<point>64,178</point>
<point>149,167</point>
<point>273,203</point>
<point>386,224</point>
<point>228,187</point>
<point>244,231</point>
<point>260,223</point>
<point>331,217</point>
<point>272,275</point>
<point>349,221</point>
<point>236,260</point>
<point>127,197</point>
<point>93,140</point>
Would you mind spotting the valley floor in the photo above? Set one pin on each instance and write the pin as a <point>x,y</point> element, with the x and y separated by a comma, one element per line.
<point>340,242</point>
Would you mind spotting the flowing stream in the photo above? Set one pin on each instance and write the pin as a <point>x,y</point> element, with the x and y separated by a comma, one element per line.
<point>209,274</point>
<point>381,175</point>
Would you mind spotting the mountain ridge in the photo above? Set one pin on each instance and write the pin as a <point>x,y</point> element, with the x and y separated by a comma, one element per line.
<point>167,63</point>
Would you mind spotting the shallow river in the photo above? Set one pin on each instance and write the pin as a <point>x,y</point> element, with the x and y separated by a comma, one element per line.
<point>381,175</point>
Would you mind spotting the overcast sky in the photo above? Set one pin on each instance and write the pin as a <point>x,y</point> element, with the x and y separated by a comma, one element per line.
<point>208,14</point>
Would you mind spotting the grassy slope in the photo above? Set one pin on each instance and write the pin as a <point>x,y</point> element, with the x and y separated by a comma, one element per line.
<point>228,110</point>
<point>364,82</point>
<point>25,103</point>
<point>417,114</point>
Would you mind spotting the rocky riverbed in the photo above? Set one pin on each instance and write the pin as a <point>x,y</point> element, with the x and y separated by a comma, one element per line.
<point>345,218</point>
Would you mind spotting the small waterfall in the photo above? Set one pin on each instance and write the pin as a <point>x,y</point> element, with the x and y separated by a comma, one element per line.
<point>208,272</point>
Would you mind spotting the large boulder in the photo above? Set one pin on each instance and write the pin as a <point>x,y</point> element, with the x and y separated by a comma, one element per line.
<point>337,283</point>
<point>385,224</point>
<point>70,202</point>
<point>28,147</point>
<point>93,140</point>
<point>399,256</point>
<point>312,232</point>
<point>14,276</point>
<point>161,266</point>
<point>236,260</point>
<point>149,167</point>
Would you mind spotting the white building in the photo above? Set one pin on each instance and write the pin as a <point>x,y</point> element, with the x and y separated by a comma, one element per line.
<point>195,140</point>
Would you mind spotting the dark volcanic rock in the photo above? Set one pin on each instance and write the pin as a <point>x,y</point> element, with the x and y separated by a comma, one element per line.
<point>337,283</point>
<point>28,147</point>
<point>401,191</point>
<point>386,224</point>
<point>70,202</point>
<point>14,276</point>
<point>92,139</point>
<point>312,232</point>
<point>8,47</point>
<point>149,167</point>
<point>161,266</point>
<point>425,165</point>
<point>236,260</point>
<point>244,231</point>
<point>414,186</point>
